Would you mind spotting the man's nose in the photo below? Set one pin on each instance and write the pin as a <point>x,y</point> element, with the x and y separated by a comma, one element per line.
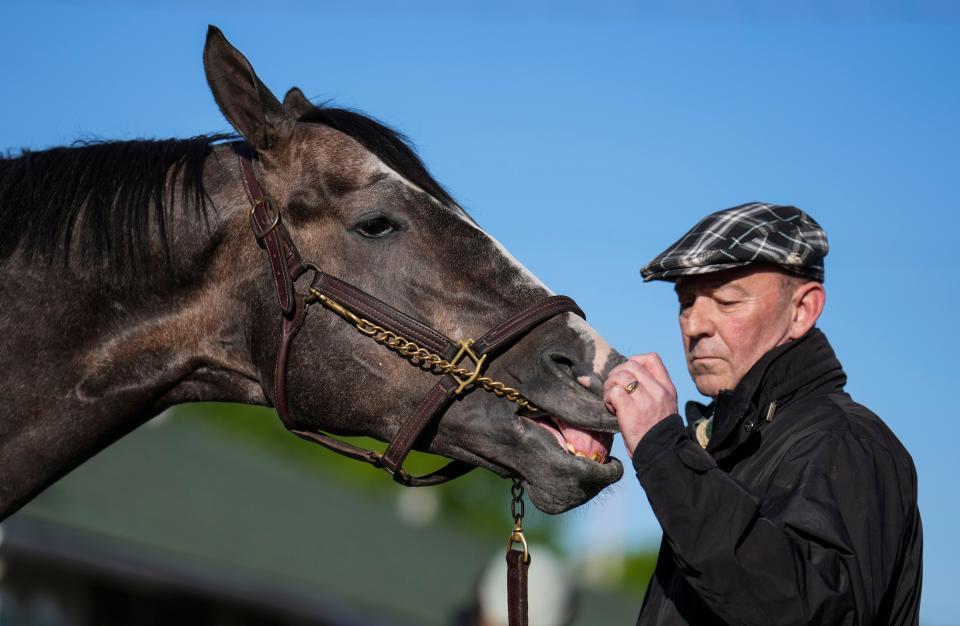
<point>695,320</point>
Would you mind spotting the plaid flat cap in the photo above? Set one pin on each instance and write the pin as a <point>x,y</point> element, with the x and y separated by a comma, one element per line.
<point>750,233</point>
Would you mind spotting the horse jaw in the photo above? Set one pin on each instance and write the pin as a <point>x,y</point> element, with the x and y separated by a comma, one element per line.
<point>512,445</point>
<point>549,449</point>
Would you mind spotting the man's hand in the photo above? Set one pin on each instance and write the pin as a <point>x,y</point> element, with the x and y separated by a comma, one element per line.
<point>653,398</point>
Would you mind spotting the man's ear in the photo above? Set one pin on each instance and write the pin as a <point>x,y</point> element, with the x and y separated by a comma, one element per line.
<point>296,104</point>
<point>244,100</point>
<point>807,303</point>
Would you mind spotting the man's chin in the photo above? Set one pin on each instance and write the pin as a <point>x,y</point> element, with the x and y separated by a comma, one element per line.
<point>708,385</point>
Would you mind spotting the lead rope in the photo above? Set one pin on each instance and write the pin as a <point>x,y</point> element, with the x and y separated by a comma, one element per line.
<point>518,562</point>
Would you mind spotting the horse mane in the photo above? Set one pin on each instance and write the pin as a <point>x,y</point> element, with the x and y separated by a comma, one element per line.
<point>108,194</point>
<point>112,196</point>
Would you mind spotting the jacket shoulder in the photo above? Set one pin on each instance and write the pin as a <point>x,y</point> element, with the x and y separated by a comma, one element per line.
<point>838,416</point>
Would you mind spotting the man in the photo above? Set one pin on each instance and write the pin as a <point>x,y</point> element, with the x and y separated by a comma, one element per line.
<point>783,501</point>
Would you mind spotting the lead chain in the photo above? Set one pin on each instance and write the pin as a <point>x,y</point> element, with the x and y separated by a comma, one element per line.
<point>516,535</point>
<point>516,491</point>
<point>418,355</point>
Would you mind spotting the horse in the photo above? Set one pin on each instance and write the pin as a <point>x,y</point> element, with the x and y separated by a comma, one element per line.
<point>132,283</point>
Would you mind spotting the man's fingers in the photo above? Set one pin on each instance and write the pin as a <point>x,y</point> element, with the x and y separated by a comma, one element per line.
<point>617,396</point>
<point>653,397</point>
<point>646,383</point>
<point>646,387</point>
<point>652,363</point>
<point>623,374</point>
<point>627,372</point>
<point>614,397</point>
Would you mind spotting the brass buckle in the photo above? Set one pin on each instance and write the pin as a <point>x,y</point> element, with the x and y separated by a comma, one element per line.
<point>516,537</point>
<point>260,234</point>
<point>463,383</point>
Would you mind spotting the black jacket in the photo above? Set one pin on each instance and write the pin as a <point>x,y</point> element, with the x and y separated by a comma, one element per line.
<point>808,517</point>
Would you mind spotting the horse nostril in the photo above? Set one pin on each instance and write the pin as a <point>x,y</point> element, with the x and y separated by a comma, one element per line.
<point>563,363</point>
<point>582,374</point>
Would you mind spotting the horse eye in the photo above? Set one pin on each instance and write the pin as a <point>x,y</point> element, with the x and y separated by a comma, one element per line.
<point>375,227</point>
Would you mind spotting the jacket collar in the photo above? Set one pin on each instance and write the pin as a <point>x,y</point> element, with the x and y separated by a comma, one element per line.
<point>796,369</point>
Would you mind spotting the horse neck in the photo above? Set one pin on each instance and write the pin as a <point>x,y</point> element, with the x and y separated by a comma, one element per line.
<point>89,359</point>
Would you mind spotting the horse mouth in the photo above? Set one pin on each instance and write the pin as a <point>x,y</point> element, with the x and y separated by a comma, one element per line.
<point>586,444</point>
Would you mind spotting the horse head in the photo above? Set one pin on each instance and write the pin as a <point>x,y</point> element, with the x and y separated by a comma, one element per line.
<point>358,202</point>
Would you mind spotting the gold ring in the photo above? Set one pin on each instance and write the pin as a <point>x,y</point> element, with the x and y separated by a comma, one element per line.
<point>630,387</point>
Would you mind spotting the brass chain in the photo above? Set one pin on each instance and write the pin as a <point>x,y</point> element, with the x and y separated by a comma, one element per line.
<point>421,356</point>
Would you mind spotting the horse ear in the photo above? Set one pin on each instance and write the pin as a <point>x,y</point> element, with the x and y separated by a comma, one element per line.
<point>244,100</point>
<point>296,104</point>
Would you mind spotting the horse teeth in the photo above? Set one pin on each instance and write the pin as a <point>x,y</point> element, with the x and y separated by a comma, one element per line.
<point>598,457</point>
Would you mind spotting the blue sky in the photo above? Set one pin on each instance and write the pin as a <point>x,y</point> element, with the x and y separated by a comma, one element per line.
<point>587,140</point>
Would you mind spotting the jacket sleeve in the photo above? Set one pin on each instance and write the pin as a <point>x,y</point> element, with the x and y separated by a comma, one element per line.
<point>810,551</point>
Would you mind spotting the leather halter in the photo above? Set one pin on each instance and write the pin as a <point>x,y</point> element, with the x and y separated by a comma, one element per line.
<point>288,266</point>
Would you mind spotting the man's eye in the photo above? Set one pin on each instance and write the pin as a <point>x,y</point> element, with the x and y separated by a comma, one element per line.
<point>375,227</point>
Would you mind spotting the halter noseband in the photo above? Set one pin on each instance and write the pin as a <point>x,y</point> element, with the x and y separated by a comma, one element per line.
<point>396,330</point>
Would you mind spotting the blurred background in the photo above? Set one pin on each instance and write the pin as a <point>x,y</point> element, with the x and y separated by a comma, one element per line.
<point>586,137</point>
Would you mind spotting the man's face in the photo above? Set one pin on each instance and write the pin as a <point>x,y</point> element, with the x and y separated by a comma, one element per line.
<point>729,320</point>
